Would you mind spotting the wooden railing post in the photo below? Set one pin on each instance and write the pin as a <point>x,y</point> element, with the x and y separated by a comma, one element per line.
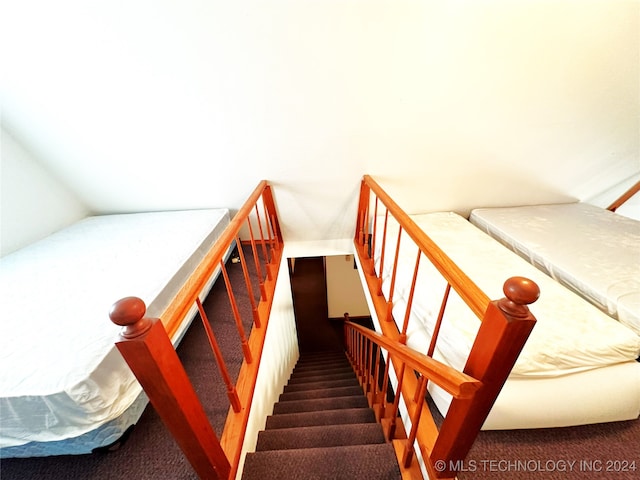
<point>503,332</point>
<point>148,351</point>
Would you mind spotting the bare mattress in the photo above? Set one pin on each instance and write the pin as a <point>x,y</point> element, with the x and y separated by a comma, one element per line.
<point>577,367</point>
<point>592,251</point>
<point>62,377</point>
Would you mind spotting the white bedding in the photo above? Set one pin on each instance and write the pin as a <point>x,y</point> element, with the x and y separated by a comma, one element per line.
<point>61,374</point>
<point>571,337</point>
<point>591,250</point>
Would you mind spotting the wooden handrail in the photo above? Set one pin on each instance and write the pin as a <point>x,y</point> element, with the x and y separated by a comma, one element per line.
<point>147,347</point>
<point>624,197</point>
<point>502,334</point>
<point>466,288</point>
<point>451,380</point>
<point>186,297</point>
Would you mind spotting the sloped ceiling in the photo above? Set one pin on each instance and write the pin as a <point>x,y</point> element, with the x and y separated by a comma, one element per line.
<point>146,105</point>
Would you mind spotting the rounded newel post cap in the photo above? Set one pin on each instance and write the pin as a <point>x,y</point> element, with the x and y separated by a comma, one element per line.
<point>129,313</point>
<point>520,292</point>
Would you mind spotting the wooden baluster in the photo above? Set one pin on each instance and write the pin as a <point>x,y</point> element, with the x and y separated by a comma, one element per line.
<point>231,389</point>
<point>247,281</point>
<point>263,292</point>
<point>382,252</point>
<point>635,188</point>
<point>268,228</point>
<point>361,220</point>
<point>369,366</point>
<point>236,315</point>
<point>363,370</point>
<point>148,351</point>
<point>360,356</point>
<point>352,349</point>
<point>407,455</point>
<point>407,313</point>
<point>347,332</point>
<point>276,239</point>
<point>436,329</point>
<point>434,338</point>
<point>393,278</point>
<point>396,403</point>
<point>367,233</point>
<point>264,247</point>
<point>385,386</point>
<point>267,199</point>
<point>372,252</point>
<point>376,377</point>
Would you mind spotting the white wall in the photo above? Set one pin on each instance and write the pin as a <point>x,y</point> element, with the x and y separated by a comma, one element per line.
<point>450,104</point>
<point>344,288</point>
<point>33,204</point>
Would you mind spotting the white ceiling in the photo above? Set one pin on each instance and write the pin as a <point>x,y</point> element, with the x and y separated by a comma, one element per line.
<point>146,105</point>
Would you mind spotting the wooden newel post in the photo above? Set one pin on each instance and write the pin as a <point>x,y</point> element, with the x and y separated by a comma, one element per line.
<point>148,351</point>
<point>506,325</point>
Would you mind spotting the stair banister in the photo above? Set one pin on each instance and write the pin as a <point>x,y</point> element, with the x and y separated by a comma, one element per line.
<point>461,283</point>
<point>497,323</point>
<point>454,382</point>
<point>504,330</point>
<point>147,347</point>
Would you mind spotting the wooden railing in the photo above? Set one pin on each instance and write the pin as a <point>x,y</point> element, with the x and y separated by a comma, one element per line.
<point>147,348</point>
<point>504,326</point>
<point>635,188</point>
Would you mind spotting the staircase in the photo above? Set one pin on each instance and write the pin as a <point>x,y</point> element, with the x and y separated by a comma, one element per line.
<point>322,428</point>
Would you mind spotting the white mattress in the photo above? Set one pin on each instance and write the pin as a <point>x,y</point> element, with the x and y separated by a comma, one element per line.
<point>591,250</point>
<point>61,374</point>
<point>571,337</point>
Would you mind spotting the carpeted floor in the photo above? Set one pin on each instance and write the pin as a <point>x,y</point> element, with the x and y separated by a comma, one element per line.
<point>602,451</point>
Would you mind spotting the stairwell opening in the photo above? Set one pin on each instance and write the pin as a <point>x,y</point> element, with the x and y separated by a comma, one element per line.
<point>324,289</point>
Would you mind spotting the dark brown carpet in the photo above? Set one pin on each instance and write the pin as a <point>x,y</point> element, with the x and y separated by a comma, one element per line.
<point>351,447</point>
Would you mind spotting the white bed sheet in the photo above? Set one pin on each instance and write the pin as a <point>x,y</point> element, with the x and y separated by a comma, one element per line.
<point>571,336</point>
<point>591,250</point>
<point>61,373</point>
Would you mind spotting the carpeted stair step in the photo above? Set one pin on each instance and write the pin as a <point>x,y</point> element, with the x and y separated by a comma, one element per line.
<point>321,377</point>
<point>351,462</point>
<point>310,372</point>
<point>321,393</point>
<point>322,428</point>
<point>345,382</point>
<point>327,417</point>
<point>307,358</point>
<point>320,436</point>
<point>317,404</point>
<point>304,362</point>
<point>310,367</point>
<point>336,353</point>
